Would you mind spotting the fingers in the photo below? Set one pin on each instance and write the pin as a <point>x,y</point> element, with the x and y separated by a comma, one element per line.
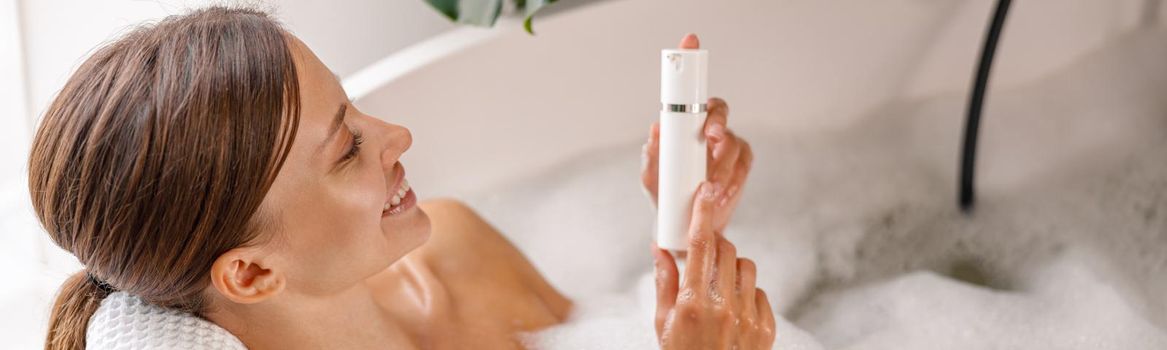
<point>746,279</point>
<point>725,151</point>
<point>666,285</point>
<point>718,113</point>
<point>765,314</point>
<point>745,161</point>
<point>650,161</point>
<point>741,172</point>
<point>689,42</point>
<point>702,239</point>
<point>726,280</point>
<point>725,147</point>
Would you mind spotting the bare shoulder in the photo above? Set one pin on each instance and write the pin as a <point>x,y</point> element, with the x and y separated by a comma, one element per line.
<point>459,233</point>
<point>451,213</point>
<point>464,247</point>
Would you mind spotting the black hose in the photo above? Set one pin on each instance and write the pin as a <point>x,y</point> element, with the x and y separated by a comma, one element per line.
<point>976,101</point>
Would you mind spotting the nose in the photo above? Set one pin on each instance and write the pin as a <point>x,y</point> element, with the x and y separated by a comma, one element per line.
<point>398,139</point>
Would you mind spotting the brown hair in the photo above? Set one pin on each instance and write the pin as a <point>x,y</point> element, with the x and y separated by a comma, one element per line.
<point>154,158</point>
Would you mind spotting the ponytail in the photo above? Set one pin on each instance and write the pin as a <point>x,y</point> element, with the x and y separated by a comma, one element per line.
<point>78,299</point>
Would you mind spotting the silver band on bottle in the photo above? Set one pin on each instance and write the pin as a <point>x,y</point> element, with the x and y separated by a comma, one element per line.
<point>690,108</point>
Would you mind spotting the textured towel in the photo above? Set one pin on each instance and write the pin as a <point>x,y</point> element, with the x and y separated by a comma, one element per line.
<point>124,322</point>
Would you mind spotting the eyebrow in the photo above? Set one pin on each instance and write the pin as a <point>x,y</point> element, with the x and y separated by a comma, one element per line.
<point>337,120</point>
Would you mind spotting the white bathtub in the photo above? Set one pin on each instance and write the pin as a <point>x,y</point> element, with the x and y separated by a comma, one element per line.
<point>851,230</point>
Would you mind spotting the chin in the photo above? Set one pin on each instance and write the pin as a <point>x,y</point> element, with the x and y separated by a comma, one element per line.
<point>409,229</point>
<point>423,227</point>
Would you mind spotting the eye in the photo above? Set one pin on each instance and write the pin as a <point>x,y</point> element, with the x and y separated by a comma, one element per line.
<point>353,150</point>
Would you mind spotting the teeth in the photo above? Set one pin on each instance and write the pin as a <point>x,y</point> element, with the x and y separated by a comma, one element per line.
<point>404,188</point>
<point>396,199</point>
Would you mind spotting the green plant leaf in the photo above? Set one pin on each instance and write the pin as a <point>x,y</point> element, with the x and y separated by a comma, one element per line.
<point>530,7</point>
<point>485,13</point>
<point>449,8</point>
<point>481,13</point>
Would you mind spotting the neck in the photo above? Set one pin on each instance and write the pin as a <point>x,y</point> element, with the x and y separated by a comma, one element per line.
<point>346,320</point>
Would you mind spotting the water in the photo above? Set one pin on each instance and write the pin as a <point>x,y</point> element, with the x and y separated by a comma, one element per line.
<point>858,239</point>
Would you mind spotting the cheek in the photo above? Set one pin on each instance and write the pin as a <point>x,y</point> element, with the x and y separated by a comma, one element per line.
<point>356,207</point>
<point>334,231</point>
<point>363,195</point>
<point>348,208</point>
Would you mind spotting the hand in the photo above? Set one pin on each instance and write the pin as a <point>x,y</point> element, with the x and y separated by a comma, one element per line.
<point>718,305</point>
<point>729,157</point>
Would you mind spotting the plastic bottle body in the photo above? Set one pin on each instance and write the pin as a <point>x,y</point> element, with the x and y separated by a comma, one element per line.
<point>682,169</point>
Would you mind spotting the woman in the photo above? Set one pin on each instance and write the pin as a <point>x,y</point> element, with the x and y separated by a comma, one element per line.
<point>211,163</point>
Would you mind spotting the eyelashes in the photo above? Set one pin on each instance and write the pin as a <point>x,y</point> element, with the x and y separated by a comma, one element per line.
<point>353,150</point>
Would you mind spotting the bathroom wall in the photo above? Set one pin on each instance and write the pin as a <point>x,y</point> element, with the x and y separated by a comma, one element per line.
<point>16,236</point>
<point>12,97</point>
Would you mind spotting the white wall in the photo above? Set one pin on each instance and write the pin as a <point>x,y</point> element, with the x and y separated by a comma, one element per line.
<point>14,133</point>
<point>348,35</point>
<point>18,244</point>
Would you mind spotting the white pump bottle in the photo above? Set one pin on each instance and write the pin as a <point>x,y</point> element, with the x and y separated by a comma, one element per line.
<point>683,96</point>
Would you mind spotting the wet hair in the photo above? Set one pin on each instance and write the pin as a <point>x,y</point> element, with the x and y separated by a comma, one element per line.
<point>153,159</point>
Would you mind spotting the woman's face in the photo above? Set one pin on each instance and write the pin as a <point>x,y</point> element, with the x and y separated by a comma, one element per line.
<point>328,203</point>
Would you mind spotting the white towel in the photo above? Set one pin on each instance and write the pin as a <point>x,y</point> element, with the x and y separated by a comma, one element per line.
<point>125,322</point>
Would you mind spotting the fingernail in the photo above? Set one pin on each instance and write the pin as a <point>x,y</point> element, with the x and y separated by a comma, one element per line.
<point>732,191</point>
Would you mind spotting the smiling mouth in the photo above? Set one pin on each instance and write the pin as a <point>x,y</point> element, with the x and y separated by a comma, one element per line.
<point>401,198</point>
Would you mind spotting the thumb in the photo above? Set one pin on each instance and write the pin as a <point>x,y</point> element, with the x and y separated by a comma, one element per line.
<point>666,285</point>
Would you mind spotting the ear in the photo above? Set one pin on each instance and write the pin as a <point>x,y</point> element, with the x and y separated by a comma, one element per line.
<point>242,275</point>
